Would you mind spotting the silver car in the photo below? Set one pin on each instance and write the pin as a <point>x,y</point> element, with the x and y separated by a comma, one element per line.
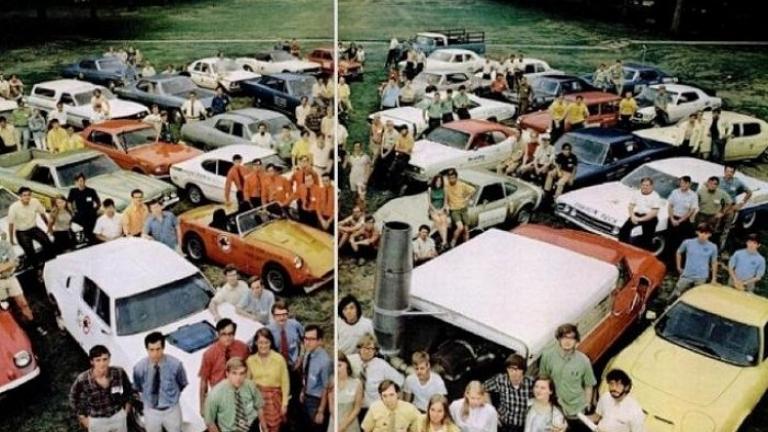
<point>235,127</point>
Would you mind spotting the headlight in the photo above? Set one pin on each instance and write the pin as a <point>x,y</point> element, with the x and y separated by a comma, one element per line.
<point>563,208</point>
<point>699,422</point>
<point>298,262</point>
<point>4,305</point>
<point>615,230</point>
<point>22,359</point>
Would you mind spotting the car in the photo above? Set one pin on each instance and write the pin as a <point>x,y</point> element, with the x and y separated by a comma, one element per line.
<point>638,76</point>
<point>703,366</point>
<point>497,200</point>
<point>602,209</point>
<point>115,293</point>
<point>349,69</point>
<point>203,177</point>
<point>545,88</point>
<point>442,80</point>
<point>603,112</point>
<point>49,175</point>
<point>235,127</point>
<point>277,61</point>
<point>214,72</point>
<point>453,60</point>
<point>106,71</point>
<point>17,358</point>
<point>288,255</point>
<point>413,116</point>
<point>280,92</point>
<point>76,96</point>
<point>607,154</point>
<point>749,135</point>
<point>135,146</point>
<point>432,40</point>
<point>684,100</point>
<point>169,92</point>
<point>7,107</point>
<point>532,67</point>
<point>459,144</point>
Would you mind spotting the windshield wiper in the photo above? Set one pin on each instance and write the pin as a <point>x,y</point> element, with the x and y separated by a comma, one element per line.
<point>695,343</point>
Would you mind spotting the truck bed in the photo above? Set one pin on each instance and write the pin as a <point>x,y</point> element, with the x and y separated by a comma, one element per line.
<point>461,36</point>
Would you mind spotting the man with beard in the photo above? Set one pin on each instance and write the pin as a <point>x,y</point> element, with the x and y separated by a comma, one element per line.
<point>617,410</point>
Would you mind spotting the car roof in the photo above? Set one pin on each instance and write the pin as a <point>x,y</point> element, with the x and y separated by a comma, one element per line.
<point>677,88</point>
<point>700,170</point>
<point>126,266</point>
<point>121,125</point>
<point>559,77</point>
<point>67,85</point>
<point>600,134</point>
<point>247,151</point>
<point>456,51</point>
<point>740,306</point>
<point>593,97</point>
<point>258,114</point>
<point>287,76</point>
<point>474,125</point>
<point>481,177</point>
<point>59,159</point>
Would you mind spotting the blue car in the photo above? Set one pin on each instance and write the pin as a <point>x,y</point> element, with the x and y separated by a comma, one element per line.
<point>608,154</point>
<point>546,87</point>
<point>167,91</point>
<point>638,76</point>
<point>107,71</point>
<point>279,92</point>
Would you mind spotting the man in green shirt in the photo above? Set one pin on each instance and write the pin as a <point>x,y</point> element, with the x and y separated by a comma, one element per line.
<point>434,113</point>
<point>20,120</point>
<point>448,106</point>
<point>461,103</point>
<point>284,144</point>
<point>714,203</point>
<point>235,404</point>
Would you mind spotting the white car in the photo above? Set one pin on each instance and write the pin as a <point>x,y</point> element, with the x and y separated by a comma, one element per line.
<point>413,116</point>
<point>7,107</point>
<point>76,97</point>
<point>532,67</point>
<point>213,72</point>
<point>115,293</point>
<point>602,209</point>
<point>203,177</point>
<point>453,60</point>
<point>442,81</point>
<point>748,135</point>
<point>277,61</point>
<point>684,100</point>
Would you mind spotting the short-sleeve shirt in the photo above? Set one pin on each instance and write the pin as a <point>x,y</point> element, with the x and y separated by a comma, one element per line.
<point>318,372</point>
<point>683,202</point>
<point>89,399</point>
<point>220,405</point>
<point>350,334</point>
<point>747,265</point>
<point>577,113</point>
<point>423,392</point>
<point>173,379</point>
<point>379,417</point>
<point>229,294</point>
<point>260,307</point>
<point>623,416</point>
<point>698,258</point>
<point>571,372</point>
<point>390,96</point>
<point>645,203</point>
<point>711,203</point>
<point>164,229</point>
<point>566,163</point>
<point>375,371</point>
<point>733,188</point>
<point>457,195</point>
<point>109,227</point>
<point>24,217</point>
<point>213,368</point>
<point>422,248</point>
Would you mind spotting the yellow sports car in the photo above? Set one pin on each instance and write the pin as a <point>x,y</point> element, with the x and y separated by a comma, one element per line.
<point>703,366</point>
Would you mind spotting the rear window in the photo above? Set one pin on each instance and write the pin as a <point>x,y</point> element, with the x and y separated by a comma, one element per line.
<point>44,92</point>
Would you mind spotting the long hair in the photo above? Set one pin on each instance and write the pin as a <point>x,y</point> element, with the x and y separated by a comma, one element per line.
<point>552,390</point>
<point>266,334</point>
<point>447,419</point>
<point>473,386</point>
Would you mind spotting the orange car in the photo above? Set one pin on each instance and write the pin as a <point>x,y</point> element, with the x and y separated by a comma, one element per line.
<point>134,146</point>
<point>348,69</point>
<point>17,361</point>
<point>603,111</point>
<point>285,253</point>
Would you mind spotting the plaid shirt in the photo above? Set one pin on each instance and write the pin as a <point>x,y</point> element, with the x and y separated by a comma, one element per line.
<point>511,402</point>
<point>89,399</point>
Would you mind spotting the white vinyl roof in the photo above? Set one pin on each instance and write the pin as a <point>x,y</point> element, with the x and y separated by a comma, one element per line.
<point>511,289</point>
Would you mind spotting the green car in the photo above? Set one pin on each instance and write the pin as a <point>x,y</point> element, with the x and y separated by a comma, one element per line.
<point>51,174</point>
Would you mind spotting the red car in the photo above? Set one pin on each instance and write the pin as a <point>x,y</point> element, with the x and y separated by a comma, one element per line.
<point>348,69</point>
<point>134,146</point>
<point>18,364</point>
<point>603,111</point>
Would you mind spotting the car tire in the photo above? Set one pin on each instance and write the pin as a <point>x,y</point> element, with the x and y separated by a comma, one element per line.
<point>195,195</point>
<point>276,279</point>
<point>524,215</point>
<point>659,244</point>
<point>247,68</point>
<point>194,247</point>
<point>748,222</point>
<point>763,156</point>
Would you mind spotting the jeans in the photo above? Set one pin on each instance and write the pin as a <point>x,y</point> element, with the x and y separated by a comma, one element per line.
<point>645,239</point>
<point>26,240</point>
<point>684,284</point>
<point>24,136</point>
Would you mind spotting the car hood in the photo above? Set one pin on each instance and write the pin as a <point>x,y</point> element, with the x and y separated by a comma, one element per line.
<point>671,135</point>
<point>607,202</point>
<point>427,153</point>
<point>315,247</point>
<point>404,116</point>
<point>538,121</point>
<point>117,109</point>
<point>14,340</point>
<point>411,209</point>
<point>119,184</point>
<point>164,153</point>
<point>239,75</point>
<point>298,65</point>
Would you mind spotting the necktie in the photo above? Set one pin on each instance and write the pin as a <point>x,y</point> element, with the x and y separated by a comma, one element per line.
<point>306,368</point>
<point>156,387</point>
<point>241,421</point>
<point>284,345</point>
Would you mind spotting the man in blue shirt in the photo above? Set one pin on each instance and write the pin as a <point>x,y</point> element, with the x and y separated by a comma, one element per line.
<point>220,102</point>
<point>317,371</point>
<point>162,226</point>
<point>288,334</point>
<point>733,187</point>
<point>746,266</point>
<point>159,379</point>
<point>390,95</point>
<point>700,261</point>
<point>257,302</point>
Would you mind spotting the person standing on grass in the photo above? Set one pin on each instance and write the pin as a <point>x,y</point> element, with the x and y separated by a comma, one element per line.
<point>192,109</point>
<point>660,105</point>
<point>101,396</point>
<point>350,396</point>
<point>20,119</point>
<point>269,371</point>
<point>135,215</point>
<point>317,370</point>
<point>627,109</point>
<point>714,204</point>
<point>683,204</point>
<point>700,261</point>
<point>434,113</point>
<point>390,95</point>
<point>37,128</point>
<point>214,364</point>
<point>747,267</point>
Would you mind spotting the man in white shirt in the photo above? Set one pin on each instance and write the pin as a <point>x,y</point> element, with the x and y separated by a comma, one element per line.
<point>109,225</point>
<point>643,211</point>
<point>303,110</point>
<point>616,410</point>
<point>231,292</point>
<point>192,109</point>
<point>262,137</point>
<point>421,385</point>
<point>423,247</point>
<point>372,370</point>
<point>58,114</point>
<point>320,151</point>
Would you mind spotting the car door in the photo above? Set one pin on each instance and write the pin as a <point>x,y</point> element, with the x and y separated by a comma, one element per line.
<point>110,145</point>
<point>209,180</point>
<point>687,104</point>
<point>279,93</point>
<point>68,101</point>
<point>747,141</point>
<point>93,318</point>
<point>87,70</point>
<point>222,131</point>
<point>491,206</point>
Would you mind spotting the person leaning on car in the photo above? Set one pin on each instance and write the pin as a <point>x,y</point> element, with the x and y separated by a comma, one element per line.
<point>434,113</point>
<point>135,215</point>
<point>720,130</point>
<point>577,113</point>
<point>714,203</point>
<point>683,204</point>
<point>557,110</point>
<point>627,109</point>
<point>564,170</point>
<point>192,109</point>
<point>461,103</point>
<point>22,227</point>
<point>643,211</point>
<point>700,261</point>
<point>236,175</point>
<point>660,104</point>
<point>457,194</point>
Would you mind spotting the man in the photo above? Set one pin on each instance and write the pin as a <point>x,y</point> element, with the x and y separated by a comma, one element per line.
<point>497,88</point>
<point>557,111</point>
<point>262,137</point>
<point>434,113</point>
<point>392,53</point>
<point>448,107</point>
<point>159,380</point>
<point>683,204</point>
<point>252,185</point>
<point>403,149</point>
<point>326,202</point>
<point>303,169</point>
<point>407,94</point>
<point>10,288</point>
<point>627,109</point>
<point>235,404</point>
<point>85,204</point>
<point>564,171</point>
<point>101,396</point>
<point>320,150</point>
<point>617,410</point>
<point>192,109</point>
<point>162,225</point>
<point>56,139</point>
<point>461,103</point>
<point>511,164</point>
<point>288,334</point>
<point>302,111</point>
<point>571,372</point>
<point>301,148</point>
<point>734,187</point>
<point>135,215</point>
<point>524,92</point>
<point>457,194</point>
<point>148,70</point>
<point>700,261</point>
<point>542,162</point>
<point>8,136</point>
<point>74,140</point>
<point>109,225</point>
<point>390,413</point>
<point>690,136</point>
<point>643,210</point>
<point>351,224</point>
<point>511,392</point>
<point>365,241</point>
<point>714,204</point>
<point>424,248</point>
<point>422,384</point>
<point>58,114</point>
<point>577,113</point>
<point>22,227</point>
<point>279,190</point>
<point>99,100</point>
<point>236,176</point>
<point>256,303</point>
<point>317,370</point>
<point>344,94</point>
<point>746,266</point>
<point>20,119</point>
<point>214,364</point>
<point>372,370</point>
<point>660,103</point>
<point>284,143</point>
<point>720,131</point>
<point>232,291</point>
<point>390,95</point>
<point>616,73</point>
<point>220,103</point>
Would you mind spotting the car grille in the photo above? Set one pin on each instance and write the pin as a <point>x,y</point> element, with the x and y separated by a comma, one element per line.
<point>595,224</point>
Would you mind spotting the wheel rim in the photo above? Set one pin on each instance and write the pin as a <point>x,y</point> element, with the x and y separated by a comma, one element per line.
<point>195,248</point>
<point>524,216</point>
<point>275,281</point>
<point>749,220</point>
<point>195,195</point>
<point>658,245</point>
<point>248,68</point>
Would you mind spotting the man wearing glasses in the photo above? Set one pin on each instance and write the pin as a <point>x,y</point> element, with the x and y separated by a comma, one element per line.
<point>213,368</point>
<point>511,392</point>
<point>317,372</point>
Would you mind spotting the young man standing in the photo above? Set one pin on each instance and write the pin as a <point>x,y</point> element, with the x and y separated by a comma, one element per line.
<point>162,225</point>
<point>135,215</point>
<point>683,204</point>
<point>86,203</point>
<point>232,291</point>
<point>236,176</point>
<point>317,370</point>
<point>643,211</point>
<point>700,261</point>
<point>617,410</point>
<point>746,266</point>
<point>421,385</point>
<point>390,413</point>
<point>457,194</point>
<point>235,404</point>
<point>22,227</point>
<point>214,364</point>
<point>101,396</point>
<point>513,390</point>
<point>627,109</point>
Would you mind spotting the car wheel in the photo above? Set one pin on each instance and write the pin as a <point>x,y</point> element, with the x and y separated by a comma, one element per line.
<point>194,247</point>
<point>195,195</point>
<point>748,221</point>
<point>247,68</point>
<point>658,244</point>
<point>524,215</point>
<point>276,279</point>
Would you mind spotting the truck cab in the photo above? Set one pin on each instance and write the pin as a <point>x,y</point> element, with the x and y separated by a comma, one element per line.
<point>433,40</point>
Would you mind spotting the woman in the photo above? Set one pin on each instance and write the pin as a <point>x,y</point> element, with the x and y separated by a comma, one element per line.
<point>351,325</point>
<point>350,396</point>
<point>267,368</point>
<point>37,128</point>
<point>474,413</point>
<point>60,225</point>
<point>438,418</point>
<point>359,164</point>
<point>438,208</point>
<point>544,415</point>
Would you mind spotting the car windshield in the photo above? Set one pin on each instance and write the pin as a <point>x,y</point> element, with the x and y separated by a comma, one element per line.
<point>226,65</point>
<point>301,87</point>
<point>586,150</point>
<point>138,137</point>
<point>252,219</point>
<point>649,94</point>
<point>449,137</point>
<point>274,125</point>
<point>710,334</point>
<point>84,98</point>
<point>545,86</point>
<point>424,40</point>
<point>92,167</point>
<point>663,183</point>
<point>6,199</point>
<point>111,64</point>
<point>279,56</point>
<point>441,56</point>
<point>427,78</point>
<point>150,309</point>
<point>179,85</point>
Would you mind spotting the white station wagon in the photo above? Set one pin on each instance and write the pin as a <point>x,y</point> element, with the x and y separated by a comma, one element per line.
<point>684,100</point>
<point>116,293</point>
<point>213,72</point>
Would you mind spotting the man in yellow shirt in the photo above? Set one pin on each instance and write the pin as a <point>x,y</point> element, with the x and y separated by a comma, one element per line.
<point>627,109</point>
<point>390,409</point>
<point>557,111</point>
<point>457,194</point>
<point>344,94</point>
<point>135,215</point>
<point>301,148</point>
<point>74,141</point>
<point>57,138</point>
<point>577,113</point>
<point>7,136</point>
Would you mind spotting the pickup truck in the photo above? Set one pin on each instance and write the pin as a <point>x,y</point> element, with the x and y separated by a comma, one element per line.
<point>433,40</point>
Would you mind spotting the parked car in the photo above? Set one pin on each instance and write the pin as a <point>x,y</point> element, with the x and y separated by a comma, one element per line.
<point>546,86</point>
<point>602,209</point>
<point>497,200</point>
<point>749,135</point>
<point>115,293</point>
<point>213,72</point>
<point>285,253</point>
<point>442,80</point>
<point>135,146</point>
<point>167,91</point>
<point>413,116</point>
<point>17,358</point>
<point>433,40</point>
<point>107,71</point>
<point>76,97</point>
<point>603,112</point>
<point>459,144</point>
<point>453,60</point>
<point>683,101</point>
<point>349,69</point>
<point>532,68</point>
<point>49,175</point>
<point>280,92</point>
<point>277,61</point>
<point>203,177</point>
<point>7,107</point>
<point>235,127</point>
<point>638,76</point>
<point>703,365</point>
